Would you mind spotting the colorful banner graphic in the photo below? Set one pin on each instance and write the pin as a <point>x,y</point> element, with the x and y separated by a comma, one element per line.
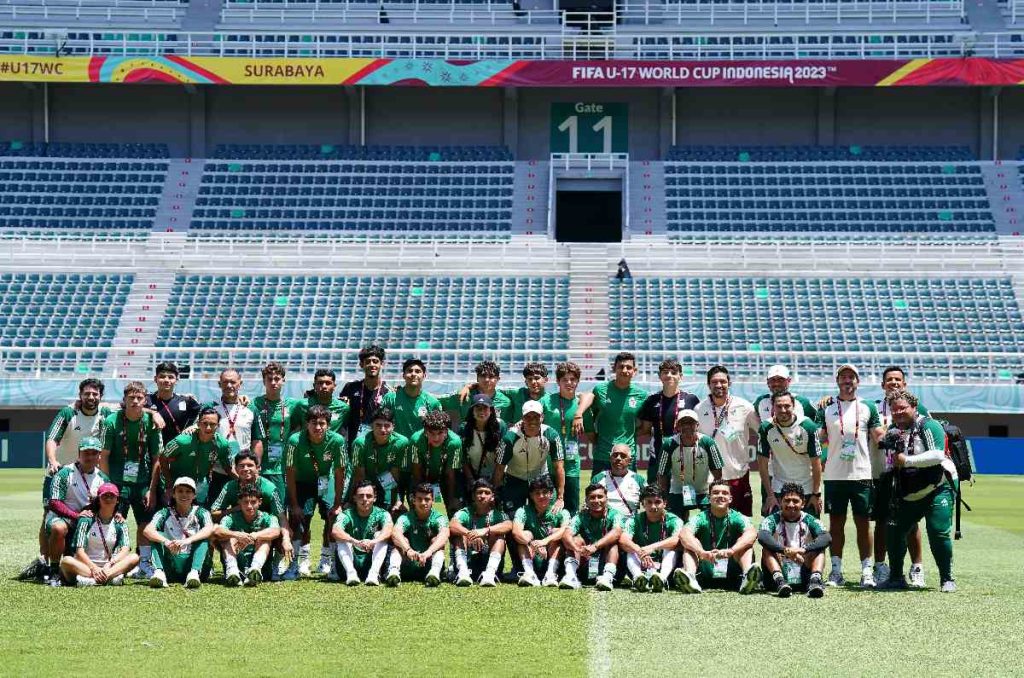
<point>972,71</point>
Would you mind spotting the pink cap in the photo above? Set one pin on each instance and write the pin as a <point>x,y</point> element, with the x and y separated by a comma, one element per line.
<point>108,488</point>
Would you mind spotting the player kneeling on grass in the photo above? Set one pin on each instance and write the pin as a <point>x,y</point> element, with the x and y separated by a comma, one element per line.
<point>794,545</point>
<point>102,548</point>
<point>593,540</point>
<point>538,530</point>
<point>180,536</point>
<point>361,537</point>
<point>650,540</point>
<point>478,536</point>
<point>419,538</point>
<point>718,545</point>
<point>247,535</point>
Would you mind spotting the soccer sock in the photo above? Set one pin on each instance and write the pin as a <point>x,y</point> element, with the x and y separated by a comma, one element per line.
<point>668,564</point>
<point>145,553</point>
<point>633,565</point>
<point>778,579</point>
<point>230,562</point>
<point>304,552</point>
<point>494,562</point>
<point>460,560</point>
<point>552,568</point>
<point>395,562</point>
<point>867,563</point>
<point>436,563</point>
<point>528,566</point>
<point>837,564</point>
<point>325,553</point>
<point>609,569</point>
<point>345,554</point>
<point>258,559</point>
<point>570,566</point>
<point>377,560</point>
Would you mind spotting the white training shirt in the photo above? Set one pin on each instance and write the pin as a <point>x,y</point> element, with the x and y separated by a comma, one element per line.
<point>733,433</point>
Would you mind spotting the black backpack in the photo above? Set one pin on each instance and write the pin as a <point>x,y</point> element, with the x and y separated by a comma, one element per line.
<point>960,454</point>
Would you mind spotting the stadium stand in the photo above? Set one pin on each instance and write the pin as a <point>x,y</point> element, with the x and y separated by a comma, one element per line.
<point>80,186</point>
<point>93,13</point>
<point>848,189</point>
<point>477,314</point>
<point>386,189</point>
<point>53,311</point>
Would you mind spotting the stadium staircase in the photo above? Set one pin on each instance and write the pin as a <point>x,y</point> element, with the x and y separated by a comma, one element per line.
<point>178,200</point>
<point>647,198</point>
<point>202,15</point>
<point>140,320</point>
<point>588,299</point>
<point>1003,185</point>
<point>530,209</point>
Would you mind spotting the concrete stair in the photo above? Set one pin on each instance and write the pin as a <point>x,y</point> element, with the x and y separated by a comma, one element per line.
<point>588,299</point>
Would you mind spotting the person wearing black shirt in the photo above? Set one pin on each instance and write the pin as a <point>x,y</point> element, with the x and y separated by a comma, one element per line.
<point>364,395</point>
<point>658,413</point>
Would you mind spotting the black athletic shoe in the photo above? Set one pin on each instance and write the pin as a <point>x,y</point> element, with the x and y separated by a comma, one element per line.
<point>35,570</point>
<point>815,589</point>
<point>785,590</point>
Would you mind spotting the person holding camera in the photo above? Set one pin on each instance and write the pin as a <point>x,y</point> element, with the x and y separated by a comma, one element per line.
<point>923,487</point>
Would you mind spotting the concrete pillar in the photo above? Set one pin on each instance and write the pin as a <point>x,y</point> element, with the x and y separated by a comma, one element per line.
<point>826,116</point>
<point>197,122</point>
<point>510,120</point>
<point>666,120</point>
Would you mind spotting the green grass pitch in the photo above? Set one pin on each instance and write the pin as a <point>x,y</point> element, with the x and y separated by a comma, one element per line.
<point>315,628</point>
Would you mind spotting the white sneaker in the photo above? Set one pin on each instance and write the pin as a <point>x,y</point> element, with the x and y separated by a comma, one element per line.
<point>529,578</point>
<point>158,580</point>
<point>835,578</point>
<point>916,577</point>
<point>116,581</point>
<point>949,586</point>
<point>604,583</point>
<point>372,580</point>
<point>881,574</point>
<point>464,578</point>
<point>686,582</point>
<point>394,578</point>
<point>232,577</point>
<point>550,580</point>
<point>324,566</point>
<point>304,570</point>
<point>569,582</point>
<point>253,576</point>
<point>352,579</point>
<point>432,580</point>
<point>488,579</point>
<point>867,578</point>
<point>85,581</point>
<point>192,581</point>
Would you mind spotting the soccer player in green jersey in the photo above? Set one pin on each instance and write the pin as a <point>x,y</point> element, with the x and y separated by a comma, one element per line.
<point>419,538</point>
<point>272,415</point>
<point>789,442</point>
<point>622,485</point>
<point>529,448</point>
<point>688,459</point>
<point>616,406</point>
<point>248,534</point>
<point>593,541</point>
<point>538,528</point>
<point>196,454</point>
<point>559,409</point>
<point>309,459</point>
<point>101,546</point>
<point>924,484</point>
<point>437,456</point>
<point>650,541</point>
<point>488,374</point>
<point>893,379</point>
<point>362,534</point>
<point>130,457</point>
<point>72,492</point>
<point>322,394</point>
<point>482,433</point>
<point>850,425</point>
<point>180,535</point>
<point>794,544</point>
<point>718,545</point>
<point>478,534</point>
<point>410,404</point>
<point>377,457</point>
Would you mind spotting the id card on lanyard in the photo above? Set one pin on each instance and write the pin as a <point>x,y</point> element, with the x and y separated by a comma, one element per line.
<point>276,450</point>
<point>131,468</point>
<point>849,444</point>
<point>721,565</point>
<point>321,481</point>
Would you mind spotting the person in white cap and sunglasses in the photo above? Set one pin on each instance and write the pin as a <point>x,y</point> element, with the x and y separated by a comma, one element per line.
<point>849,427</point>
<point>779,380</point>
<point>180,535</point>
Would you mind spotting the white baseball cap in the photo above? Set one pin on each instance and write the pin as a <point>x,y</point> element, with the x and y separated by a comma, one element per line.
<point>533,407</point>
<point>687,414</point>
<point>852,368</point>
<point>778,371</point>
<point>187,482</point>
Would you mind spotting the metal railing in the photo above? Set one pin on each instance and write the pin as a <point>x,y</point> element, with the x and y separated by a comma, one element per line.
<point>475,43</point>
<point>714,11</point>
<point>806,366</point>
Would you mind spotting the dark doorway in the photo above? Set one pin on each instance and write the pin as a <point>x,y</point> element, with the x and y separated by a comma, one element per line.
<point>588,216</point>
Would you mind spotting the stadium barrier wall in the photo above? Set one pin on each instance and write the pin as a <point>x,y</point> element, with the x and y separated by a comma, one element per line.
<point>21,450</point>
<point>998,455</point>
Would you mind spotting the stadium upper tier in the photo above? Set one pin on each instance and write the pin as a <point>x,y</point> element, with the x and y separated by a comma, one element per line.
<point>385,189</point>
<point>58,310</point>
<point>91,186</point>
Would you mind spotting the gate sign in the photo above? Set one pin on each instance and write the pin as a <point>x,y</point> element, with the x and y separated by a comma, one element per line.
<point>588,127</point>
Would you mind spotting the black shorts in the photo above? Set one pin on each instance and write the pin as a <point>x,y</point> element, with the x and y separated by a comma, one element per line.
<point>133,497</point>
<point>882,505</point>
<point>308,498</point>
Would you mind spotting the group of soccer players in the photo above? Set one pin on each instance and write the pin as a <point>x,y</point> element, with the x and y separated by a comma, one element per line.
<point>244,478</point>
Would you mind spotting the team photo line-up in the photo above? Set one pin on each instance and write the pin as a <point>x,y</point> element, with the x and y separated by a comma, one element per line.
<point>244,478</point>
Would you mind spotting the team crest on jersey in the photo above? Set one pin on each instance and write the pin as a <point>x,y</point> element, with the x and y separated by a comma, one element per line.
<point>423,411</point>
<point>327,455</point>
<point>632,402</point>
